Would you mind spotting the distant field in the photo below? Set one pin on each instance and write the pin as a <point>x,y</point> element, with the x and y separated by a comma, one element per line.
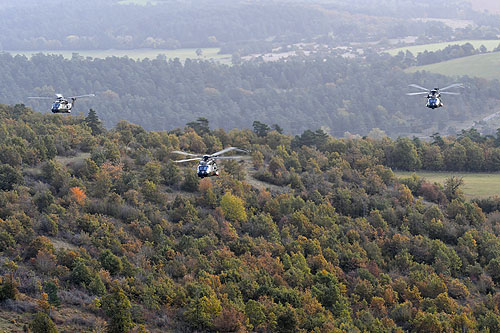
<point>138,2</point>
<point>416,49</point>
<point>182,54</point>
<point>476,185</point>
<point>481,65</point>
<point>493,6</point>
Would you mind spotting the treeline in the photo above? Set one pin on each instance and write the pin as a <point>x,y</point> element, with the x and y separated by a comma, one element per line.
<point>103,224</point>
<point>339,94</point>
<point>469,151</point>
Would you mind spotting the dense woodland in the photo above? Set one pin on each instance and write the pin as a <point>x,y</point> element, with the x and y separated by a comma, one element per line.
<point>100,229</point>
<point>354,95</point>
<point>96,24</point>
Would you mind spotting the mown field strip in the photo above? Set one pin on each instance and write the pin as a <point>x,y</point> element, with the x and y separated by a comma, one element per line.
<point>182,54</point>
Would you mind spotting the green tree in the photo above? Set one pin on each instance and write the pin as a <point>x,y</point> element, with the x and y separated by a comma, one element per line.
<point>191,181</point>
<point>51,290</point>
<point>202,312</point>
<point>81,274</point>
<point>452,187</point>
<point>116,306</point>
<point>110,262</point>
<point>8,289</point>
<point>42,324</point>
<point>455,157</point>
<point>200,126</point>
<point>287,321</point>
<point>327,290</point>
<point>405,155</point>
<point>97,286</point>
<point>255,313</point>
<point>260,129</point>
<point>171,174</point>
<point>94,123</point>
<point>9,177</point>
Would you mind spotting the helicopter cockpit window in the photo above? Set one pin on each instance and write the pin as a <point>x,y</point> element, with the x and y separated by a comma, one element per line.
<point>203,168</point>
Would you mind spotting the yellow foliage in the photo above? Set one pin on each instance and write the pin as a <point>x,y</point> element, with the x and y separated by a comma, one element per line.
<point>233,207</point>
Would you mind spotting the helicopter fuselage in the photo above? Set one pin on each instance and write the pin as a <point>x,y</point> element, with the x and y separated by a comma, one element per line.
<point>207,168</point>
<point>61,105</point>
<point>434,99</point>
<point>434,103</point>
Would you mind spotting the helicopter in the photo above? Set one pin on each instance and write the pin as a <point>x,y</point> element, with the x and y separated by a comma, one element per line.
<point>434,95</point>
<point>61,104</point>
<point>208,166</point>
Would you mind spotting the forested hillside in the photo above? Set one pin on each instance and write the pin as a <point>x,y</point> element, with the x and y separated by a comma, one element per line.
<point>176,24</point>
<point>354,95</point>
<point>96,24</point>
<point>100,229</point>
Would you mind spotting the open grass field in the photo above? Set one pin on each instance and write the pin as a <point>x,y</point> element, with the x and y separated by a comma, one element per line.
<point>139,2</point>
<point>486,66</point>
<point>416,49</point>
<point>182,54</point>
<point>493,6</point>
<point>476,185</point>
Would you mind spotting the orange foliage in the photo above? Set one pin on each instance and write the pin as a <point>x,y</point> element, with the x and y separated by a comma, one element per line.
<point>78,195</point>
<point>205,185</point>
<point>114,171</point>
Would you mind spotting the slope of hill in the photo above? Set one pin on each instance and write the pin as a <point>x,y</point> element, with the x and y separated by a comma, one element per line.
<point>101,230</point>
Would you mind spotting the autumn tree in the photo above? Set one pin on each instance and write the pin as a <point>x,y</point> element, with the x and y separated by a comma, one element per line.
<point>78,195</point>
<point>233,207</point>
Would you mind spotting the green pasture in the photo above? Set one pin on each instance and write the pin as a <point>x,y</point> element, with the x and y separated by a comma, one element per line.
<point>486,66</point>
<point>183,54</point>
<point>416,49</point>
<point>476,185</point>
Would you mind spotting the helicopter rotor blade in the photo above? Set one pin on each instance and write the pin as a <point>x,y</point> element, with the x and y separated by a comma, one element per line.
<point>88,95</point>
<point>189,160</point>
<point>34,97</point>
<point>230,157</point>
<point>223,151</point>
<point>449,93</point>
<point>187,154</point>
<point>418,87</point>
<point>457,85</point>
<point>417,93</point>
